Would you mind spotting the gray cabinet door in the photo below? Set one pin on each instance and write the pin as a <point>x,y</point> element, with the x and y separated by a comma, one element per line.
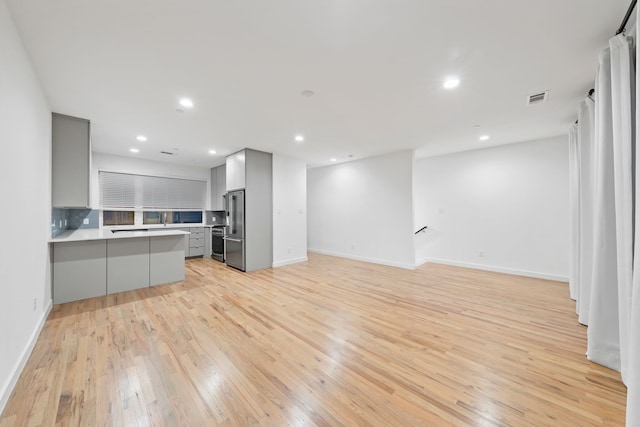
<point>214,188</point>
<point>70,161</point>
<point>79,270</point>
<point>235,171</point>
<point>221,181</point>
<point>127,264</point>
<point>166,262</point>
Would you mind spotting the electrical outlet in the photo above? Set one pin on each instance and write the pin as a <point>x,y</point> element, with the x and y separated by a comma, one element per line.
<point>65,222</point>
<point>353,246</point>
<point>289,251</point>
<point>85,221</point>
<point>35,304</point>
<point>481,254</point>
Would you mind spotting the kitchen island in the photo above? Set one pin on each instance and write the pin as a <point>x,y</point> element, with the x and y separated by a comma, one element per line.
<point>94,262</point>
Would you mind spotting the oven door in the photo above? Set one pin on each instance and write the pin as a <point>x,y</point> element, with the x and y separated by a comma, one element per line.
<point>217,244</point>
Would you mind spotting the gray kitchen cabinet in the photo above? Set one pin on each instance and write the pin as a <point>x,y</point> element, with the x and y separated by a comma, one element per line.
<point>166,259</point>
<point>207,242</point>
<point>196,241</point>
<point>127,264</point>
<point>79,270</point>
<point>185,241</point>
<point>70,161</point>
<point>218,187</point>
<point>235,172</point>
<point>258,199</point>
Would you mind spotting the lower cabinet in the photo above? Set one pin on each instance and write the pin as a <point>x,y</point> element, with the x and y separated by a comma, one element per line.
<point>127,264</point>
<point>166,260</point>
<point>79,270</point>
<point>194,243</point>
<point>93,268</point>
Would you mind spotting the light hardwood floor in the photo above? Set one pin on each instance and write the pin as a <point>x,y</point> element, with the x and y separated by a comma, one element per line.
<point>329,342</point>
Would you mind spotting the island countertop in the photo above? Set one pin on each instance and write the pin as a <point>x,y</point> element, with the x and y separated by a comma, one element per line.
<point>107,234</point>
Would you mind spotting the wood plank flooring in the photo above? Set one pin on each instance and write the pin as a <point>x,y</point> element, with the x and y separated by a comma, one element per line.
<point>329,342</point>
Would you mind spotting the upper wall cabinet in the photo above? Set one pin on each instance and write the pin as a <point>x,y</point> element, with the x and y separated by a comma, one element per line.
<point>218,187</point>
<point>70,162</point>
<point>236,171</point>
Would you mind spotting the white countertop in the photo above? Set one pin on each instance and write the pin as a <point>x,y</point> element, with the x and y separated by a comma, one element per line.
<point>104,234</point>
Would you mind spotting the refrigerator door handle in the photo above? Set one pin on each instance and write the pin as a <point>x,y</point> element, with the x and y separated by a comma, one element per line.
<point>232,215</point>
<point>233,240</point>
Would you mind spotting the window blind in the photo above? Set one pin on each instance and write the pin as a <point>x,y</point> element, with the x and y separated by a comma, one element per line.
<point>121,190</point>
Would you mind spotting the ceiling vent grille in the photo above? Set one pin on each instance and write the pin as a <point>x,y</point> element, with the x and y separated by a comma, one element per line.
<point>537,98</point>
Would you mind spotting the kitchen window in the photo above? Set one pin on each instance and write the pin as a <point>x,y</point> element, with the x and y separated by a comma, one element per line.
<point>172,217</point>
<point>118,217</point>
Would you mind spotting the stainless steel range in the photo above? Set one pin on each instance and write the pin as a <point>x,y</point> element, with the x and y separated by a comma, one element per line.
<point>217,243</point>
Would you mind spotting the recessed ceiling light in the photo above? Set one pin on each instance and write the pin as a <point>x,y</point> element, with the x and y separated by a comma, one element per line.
<point>134,150</point>
<point>334,159</point>
<point>141,138</point>
<point>308,93</point>
<point>451,82</point>
<point>212,151</point>
<point>299,138</point>
<point>186,103</point>
<point>484,138</point>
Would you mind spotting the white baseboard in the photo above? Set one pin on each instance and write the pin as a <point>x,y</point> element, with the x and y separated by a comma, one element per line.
<point>289,262</point>
<point>495,269</point>
<point>24,357</point>
<point>365,259</point>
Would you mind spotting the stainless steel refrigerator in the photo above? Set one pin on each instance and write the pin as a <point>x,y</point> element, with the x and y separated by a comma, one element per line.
<point>235,250</point>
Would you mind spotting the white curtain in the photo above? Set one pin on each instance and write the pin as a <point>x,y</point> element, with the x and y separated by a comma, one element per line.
<point>623,114</point>
<point>633,365</point>
<point>603,335</point>
<point>605,264</point>
<point>585,152</point>
<point>574,177</point>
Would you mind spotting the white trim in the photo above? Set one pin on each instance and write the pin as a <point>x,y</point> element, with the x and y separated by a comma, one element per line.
<point>495,269</point>
<point>289,262</point>
<point>365,259</point>
<point>17,370</point>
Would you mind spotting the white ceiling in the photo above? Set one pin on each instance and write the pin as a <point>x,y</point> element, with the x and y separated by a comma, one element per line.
<point>376,67</point>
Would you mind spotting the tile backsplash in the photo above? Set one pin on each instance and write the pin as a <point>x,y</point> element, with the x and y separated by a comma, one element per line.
<point>59,221</point>
<point>78,217</point>
<point>72,219</point>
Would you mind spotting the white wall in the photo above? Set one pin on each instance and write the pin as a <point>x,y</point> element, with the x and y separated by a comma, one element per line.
<point>363,210</point>
<point>510,202</point>
<point>132,165</point>
<point>289,210</point>
<point>25,186</point>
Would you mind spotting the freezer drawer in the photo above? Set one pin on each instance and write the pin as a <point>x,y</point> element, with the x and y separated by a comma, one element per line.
<point>234,253</point>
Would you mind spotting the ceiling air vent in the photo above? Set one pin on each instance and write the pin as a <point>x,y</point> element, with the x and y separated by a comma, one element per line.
<point>168,153</point>
<point>537,98</point>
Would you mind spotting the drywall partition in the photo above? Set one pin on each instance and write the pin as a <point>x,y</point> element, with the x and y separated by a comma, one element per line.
<point>25,185</point>
<point>289,210</point>
<point>363,210</point>
<point>503,208</point>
